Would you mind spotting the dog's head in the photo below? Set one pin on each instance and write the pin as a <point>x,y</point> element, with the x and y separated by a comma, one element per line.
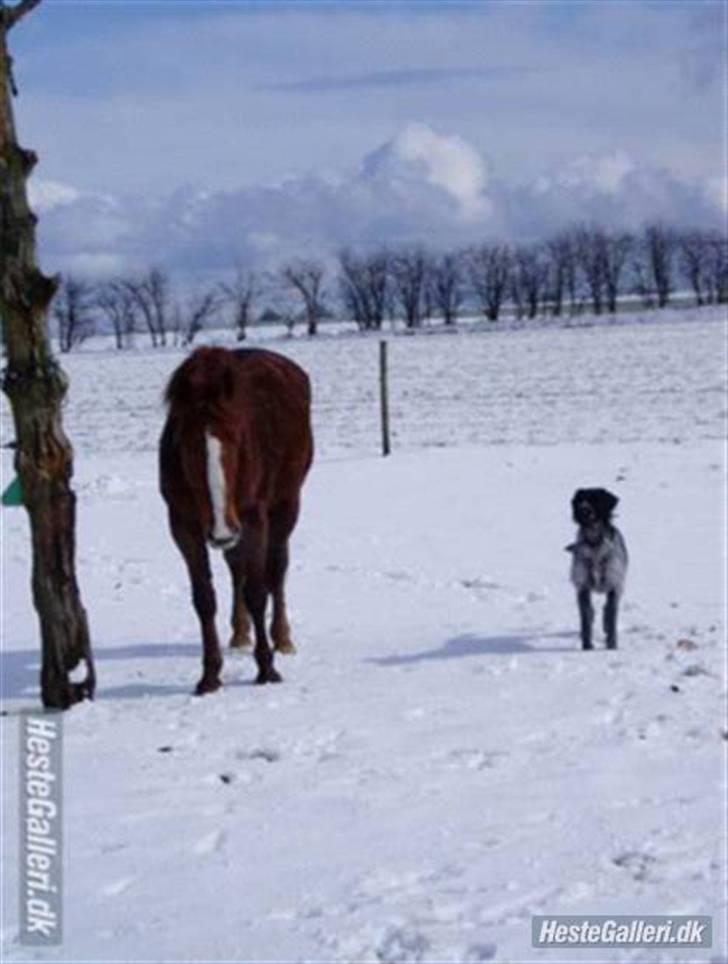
<point>589,506</point>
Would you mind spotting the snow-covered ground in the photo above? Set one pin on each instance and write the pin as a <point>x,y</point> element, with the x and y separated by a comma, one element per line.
<point>442,761</point>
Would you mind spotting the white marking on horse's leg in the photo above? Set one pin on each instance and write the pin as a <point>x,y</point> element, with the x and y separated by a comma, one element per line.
<point>221,532</point>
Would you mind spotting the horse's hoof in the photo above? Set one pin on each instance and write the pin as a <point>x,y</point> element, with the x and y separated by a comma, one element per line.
<point>84,691</point>
<point>241,642</point>
<point>268,676</point>
<point>208,685</point>
<point>285,646</point>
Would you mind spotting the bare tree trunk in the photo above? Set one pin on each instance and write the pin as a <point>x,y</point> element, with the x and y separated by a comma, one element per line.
<point>490,269</point>
<point>659,243</point>
<point>306,277</point>
<point>35,385</point>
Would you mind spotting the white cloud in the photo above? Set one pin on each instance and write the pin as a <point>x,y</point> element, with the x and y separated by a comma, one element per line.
<point>445,162</point>
<point>611,189</point>
<point>420,186</point>
<point>604,173</point>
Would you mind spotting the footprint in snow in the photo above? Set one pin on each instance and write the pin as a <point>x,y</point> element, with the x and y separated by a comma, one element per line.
<point>636,863</point>
<point>396,575</point>
<point>480,952</point>
<point>267,754</point>
<point>478,585</point>
<point>396,943</point>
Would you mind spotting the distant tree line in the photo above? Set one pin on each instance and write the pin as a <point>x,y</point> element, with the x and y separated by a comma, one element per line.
<point>582,268</point>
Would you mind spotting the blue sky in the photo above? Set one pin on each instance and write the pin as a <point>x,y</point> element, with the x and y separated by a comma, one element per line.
<point>144,98</point>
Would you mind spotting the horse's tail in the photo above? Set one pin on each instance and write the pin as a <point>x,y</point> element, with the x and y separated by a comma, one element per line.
<point>202,384</point>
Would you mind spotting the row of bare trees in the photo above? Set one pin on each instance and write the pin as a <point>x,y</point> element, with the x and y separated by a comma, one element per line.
<point>146,303</point>
<point>586,267</point>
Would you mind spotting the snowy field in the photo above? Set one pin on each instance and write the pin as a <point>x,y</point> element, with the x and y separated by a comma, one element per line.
<point>442,761</point>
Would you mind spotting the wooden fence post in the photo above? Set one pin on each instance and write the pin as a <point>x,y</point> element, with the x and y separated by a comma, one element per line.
<point>384,396</point>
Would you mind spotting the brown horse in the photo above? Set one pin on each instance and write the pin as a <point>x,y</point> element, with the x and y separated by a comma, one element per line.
<point>234,453</point>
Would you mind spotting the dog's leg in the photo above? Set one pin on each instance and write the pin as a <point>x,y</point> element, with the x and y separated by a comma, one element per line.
<point>586,612</point>
<point>610,619</point>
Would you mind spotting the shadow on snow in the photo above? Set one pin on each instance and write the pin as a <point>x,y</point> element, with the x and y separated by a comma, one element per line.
<point>470,644</point>
<point>20,670</point>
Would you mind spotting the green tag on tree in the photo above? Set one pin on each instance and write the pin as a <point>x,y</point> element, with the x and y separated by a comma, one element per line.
<point>13,495</point>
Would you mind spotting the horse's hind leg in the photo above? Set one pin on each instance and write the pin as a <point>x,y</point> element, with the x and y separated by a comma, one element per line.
<point>239,618</point>
<point>282,521</point>
<point>255,589</point>
<point>193,549</point>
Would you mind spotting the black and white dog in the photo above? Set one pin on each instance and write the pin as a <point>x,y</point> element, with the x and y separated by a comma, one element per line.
<point>599,560</point>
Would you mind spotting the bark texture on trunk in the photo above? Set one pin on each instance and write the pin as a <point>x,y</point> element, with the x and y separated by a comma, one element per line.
<point>36,386</point>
